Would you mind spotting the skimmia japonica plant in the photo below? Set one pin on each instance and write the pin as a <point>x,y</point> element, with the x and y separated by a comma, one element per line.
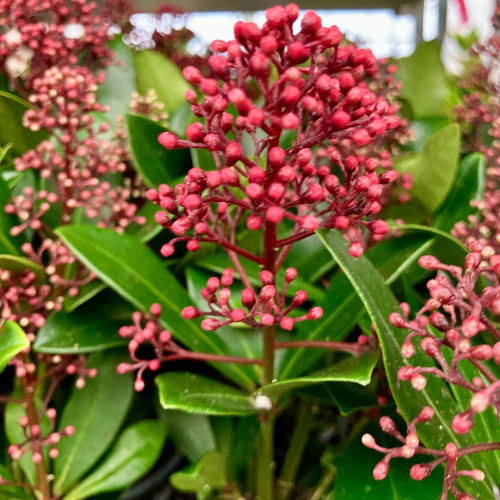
<point>264,210</point>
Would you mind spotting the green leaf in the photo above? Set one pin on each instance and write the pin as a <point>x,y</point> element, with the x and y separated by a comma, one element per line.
<point>12,109</point>
<point>417,228</point>
<point>114,258</point>
<point>156,164</point>
<point>424,80</point>
<point>116,91</point>
<point>135,452</point>
<point>355,479</point>
<point>190,433</point>
<point>422,129</point>
<point>155,71</point>
<point>97,412</point>
<point>433,171</point>
<point>351,369</point>
<point>198,394</point>
<point>12,341</point>
<point>206,475</point>
<point>15,263</point>
<point>8,244</point>
<point>11,492</point>
<point>468,186</point>
<point>85,293</point>
<point>92,327</point>
<point>379,302</point>
<point>342,305</point>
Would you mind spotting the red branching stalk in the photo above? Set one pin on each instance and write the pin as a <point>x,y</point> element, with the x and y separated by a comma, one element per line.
<point>462,333</point>
<point>298,126</point>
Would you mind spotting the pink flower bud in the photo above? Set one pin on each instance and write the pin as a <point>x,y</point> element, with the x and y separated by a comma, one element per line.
<point>139,385</point>
<point>168,140</point>
<point>275,214</point>
<point>420,471</point>
<point>192,75</point>
<point>276,190</point>
<point>248,297</point>
<point>238,315</point>
<point>267,277</point>
<point>267,319</point>
<point>299,298</point>
<point>195,132</point>
<point>418,381</point>
<point>368,440</point>
<point>210,324</point>
<point>255,192</point>
<point>428,262</point>
<point>480,401</point>
<point>380,471</point>
<point>356,249</point>
<point>340,120</point>
<point>315,313</point>
<point>233,153</point>
<point>276,157</point>
<point>462,423</point>
<point>290,274</point>
<point>167,250</point>
<point>268,44</point>
<point>297,53</point>
<point>254,223</point>
<point>267,292</point>
<point>190,312</point>
<point>286,323</point>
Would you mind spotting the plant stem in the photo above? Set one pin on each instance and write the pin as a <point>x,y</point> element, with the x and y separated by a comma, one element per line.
<point>300,435</point>
<point>265,465</point>
<point>265,458</point>
<point>31,413</point>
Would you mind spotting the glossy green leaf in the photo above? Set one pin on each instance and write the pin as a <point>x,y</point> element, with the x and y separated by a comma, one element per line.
<point>12,341</point>
<point>138,275</point>
<point>97,412</point>
<point>85,293</point>
<point>155,71</point>
<point>15,263</point>
<point>135,452</point>
<point>379,302</point>
<point>424,80</point>
<point>8,244</point>
<point>355,479</point>
<point>12,109</point>
<point>11,492</point>
<point>468,186</point>
<point>341,304</point>
<point>190,433</point>
<point>156,164</point>
<point>198,394</point>
<point>422,129</point>
<point>433,170</point>
<point>92,327</point>
<point>116,91</point>
<point>206,475</point>
<point>432,231</point>
<point>351,369</point>
<point>15,434</point>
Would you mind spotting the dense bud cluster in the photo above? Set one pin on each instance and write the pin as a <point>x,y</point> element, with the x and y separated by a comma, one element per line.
<point>36,35</point>
<point>479,114</point>
<point>455,327</point>
<point>310,154</point>
<point>264,307</point>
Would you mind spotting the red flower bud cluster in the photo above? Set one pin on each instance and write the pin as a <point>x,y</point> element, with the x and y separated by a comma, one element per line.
<point>410,445</point>
<point>261,308</point>
<point>35,441</point>
<point>39,34</point>
<point>279,155</point>
<point>455,328</point>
